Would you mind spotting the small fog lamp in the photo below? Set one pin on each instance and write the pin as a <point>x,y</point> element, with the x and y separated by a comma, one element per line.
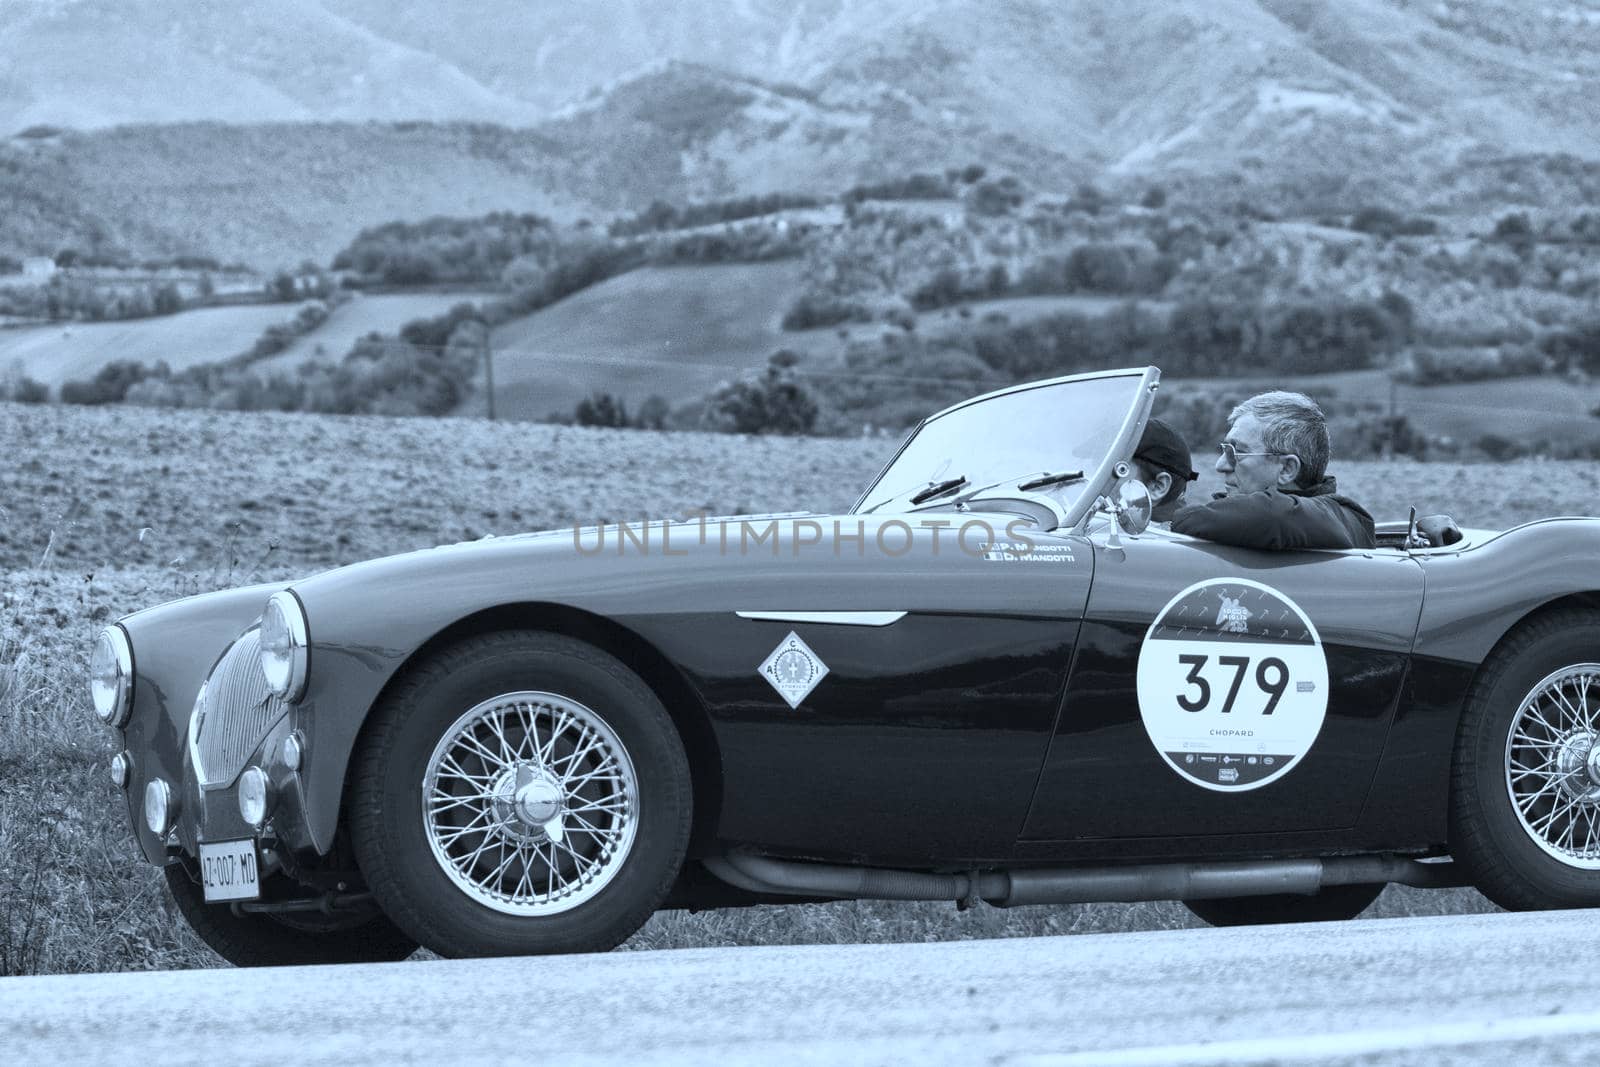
<point>158,806</point>
<point>255,792</point>
<point>294,751</point>
<point>119,770</point>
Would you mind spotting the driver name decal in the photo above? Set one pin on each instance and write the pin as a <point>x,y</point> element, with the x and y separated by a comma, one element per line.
<point>1232,684</point>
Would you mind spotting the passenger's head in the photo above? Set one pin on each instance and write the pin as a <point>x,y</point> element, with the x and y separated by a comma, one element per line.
<point>1163,462</point>
<point>1275,440</point>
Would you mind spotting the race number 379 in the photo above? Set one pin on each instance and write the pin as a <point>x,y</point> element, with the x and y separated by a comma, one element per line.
<point>1232,684</point>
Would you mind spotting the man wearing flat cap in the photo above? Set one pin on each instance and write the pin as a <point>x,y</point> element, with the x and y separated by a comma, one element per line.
<point>1163,462</point>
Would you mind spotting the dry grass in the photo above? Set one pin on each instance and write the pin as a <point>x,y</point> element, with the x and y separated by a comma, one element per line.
<point>225,499</point>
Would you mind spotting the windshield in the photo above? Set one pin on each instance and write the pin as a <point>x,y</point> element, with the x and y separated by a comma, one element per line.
<point>1083,423</point>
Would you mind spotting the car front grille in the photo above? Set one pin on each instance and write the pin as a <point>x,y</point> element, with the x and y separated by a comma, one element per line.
<point>237,713</point>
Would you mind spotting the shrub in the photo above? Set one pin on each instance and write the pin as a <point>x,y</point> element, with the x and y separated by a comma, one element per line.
<point>1578,346</point>
<point>776,404</point>
<point>1436,366</point>
<point>661,216</point>
<point>996,196</point>
<point>813,310</point>
<point>600,409</point>
<point>1498,448</point>
<point>910,187</point>
<point>25,390</point>
<point>445,249</point>
<point>110,385</point>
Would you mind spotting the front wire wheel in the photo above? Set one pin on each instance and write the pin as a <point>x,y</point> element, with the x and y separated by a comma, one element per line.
<point>1553,765</point>
<point>520,793</point>
<point>531,803</point>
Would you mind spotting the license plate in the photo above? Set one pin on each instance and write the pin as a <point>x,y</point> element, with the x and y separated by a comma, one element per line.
<point>228,870</point>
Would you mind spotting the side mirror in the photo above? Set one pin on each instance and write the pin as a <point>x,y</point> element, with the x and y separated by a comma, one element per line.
<point>1130,504</point>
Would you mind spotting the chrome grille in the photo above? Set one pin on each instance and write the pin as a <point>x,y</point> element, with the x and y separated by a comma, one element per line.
<point>236,714</point>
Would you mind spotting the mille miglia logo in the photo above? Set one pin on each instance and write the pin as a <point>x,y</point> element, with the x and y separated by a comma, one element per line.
<point>1233,617</point>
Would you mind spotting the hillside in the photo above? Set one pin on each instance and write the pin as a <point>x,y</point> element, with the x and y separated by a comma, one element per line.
<point>1321,106</point>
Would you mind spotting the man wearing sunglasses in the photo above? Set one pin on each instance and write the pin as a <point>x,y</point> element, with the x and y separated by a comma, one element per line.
<point>1278,493</point>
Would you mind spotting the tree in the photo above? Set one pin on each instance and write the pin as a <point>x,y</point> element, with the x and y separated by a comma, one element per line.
<point>1516,230</point>
<point>652,414</point>
<point>600,409</point>
<point>166,300</point>
<point>775,404</point>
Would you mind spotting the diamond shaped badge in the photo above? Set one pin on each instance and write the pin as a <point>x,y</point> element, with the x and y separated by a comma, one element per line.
<point>793,669</point>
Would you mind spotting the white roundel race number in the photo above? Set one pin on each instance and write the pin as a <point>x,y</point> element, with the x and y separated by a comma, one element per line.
<point>1232,684</point>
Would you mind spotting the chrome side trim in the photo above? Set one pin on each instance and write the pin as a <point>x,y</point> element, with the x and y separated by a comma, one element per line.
<point>834,618</point>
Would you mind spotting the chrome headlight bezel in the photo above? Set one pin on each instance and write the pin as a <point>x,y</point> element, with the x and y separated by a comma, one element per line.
<point>285,646</point>
<point>111,676</point>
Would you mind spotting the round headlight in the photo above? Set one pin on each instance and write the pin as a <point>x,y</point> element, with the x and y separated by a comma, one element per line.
<point>283,646</point>
<point>120,768</point>
<point>111,676</point>
<point>158,806</point>
<point>254,792</point>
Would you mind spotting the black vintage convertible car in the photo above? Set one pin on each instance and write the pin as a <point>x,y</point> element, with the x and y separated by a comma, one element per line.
<point>989,681</point>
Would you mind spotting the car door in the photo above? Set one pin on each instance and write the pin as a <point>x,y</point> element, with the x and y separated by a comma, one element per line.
<point>1226,691</point>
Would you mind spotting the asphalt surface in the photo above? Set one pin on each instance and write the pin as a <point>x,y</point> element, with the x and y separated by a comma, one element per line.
<point>1459,989</point>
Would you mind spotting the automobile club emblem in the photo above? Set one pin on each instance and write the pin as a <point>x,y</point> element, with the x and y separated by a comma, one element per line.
<point>793,669</point>
<point>1233,617</point>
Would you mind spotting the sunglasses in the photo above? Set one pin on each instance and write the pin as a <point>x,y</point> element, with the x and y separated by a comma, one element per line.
<point>1231,455</point>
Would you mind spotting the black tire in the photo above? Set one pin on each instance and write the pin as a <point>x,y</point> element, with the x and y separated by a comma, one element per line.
<point>1487,835</point>
<point>266,941</point>
<point>1332,904</point>
<point>394,838</point>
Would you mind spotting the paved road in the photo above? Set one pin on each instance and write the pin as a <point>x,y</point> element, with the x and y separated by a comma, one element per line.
<point>1459,989</point>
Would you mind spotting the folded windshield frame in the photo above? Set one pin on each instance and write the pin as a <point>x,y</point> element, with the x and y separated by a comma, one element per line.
<point>1098,475</point>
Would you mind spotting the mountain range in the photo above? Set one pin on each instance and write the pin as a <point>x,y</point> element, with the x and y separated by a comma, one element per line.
<point>365,110</point>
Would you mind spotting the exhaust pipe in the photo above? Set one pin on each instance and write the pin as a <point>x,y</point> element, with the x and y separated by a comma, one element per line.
<point>1078,885</point>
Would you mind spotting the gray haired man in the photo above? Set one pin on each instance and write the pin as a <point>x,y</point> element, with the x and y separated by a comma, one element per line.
<point>1279,495</point>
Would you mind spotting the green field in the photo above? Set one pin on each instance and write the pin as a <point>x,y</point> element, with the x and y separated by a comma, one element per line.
<point>360,315</point>
<point>673,331</point>
<point>70,350</point>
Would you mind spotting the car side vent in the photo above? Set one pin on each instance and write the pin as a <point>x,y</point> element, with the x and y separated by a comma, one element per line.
<point>238,713</point>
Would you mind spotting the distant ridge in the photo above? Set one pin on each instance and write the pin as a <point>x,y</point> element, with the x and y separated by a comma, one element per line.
<point>384,109</point>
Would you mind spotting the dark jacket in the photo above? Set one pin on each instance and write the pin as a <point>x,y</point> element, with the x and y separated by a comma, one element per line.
<point>1281,518</point>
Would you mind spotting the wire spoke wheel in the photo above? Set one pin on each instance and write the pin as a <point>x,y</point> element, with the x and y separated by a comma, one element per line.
<point>1552,765</point>
<point>530,803</point>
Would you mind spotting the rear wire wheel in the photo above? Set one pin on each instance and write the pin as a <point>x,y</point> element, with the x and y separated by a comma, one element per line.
<point>1525,785</point>
<point>520,793</point>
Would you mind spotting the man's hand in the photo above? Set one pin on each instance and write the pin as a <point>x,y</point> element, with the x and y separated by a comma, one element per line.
<point>1439,530</point>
